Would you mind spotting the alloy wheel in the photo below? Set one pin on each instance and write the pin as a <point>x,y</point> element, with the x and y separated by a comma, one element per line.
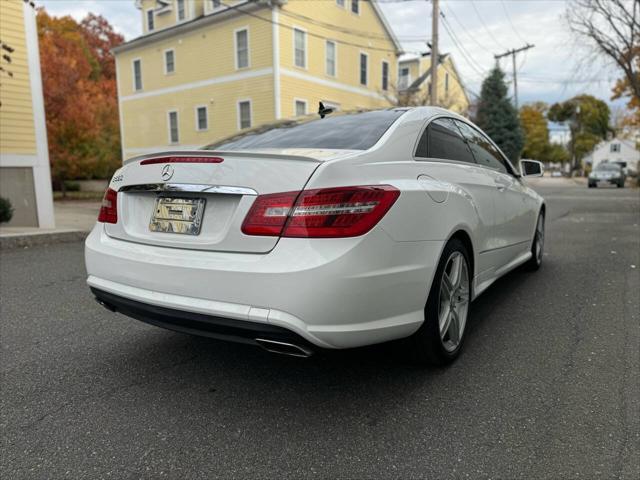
<point>454,301</point>
<point>539,247</point>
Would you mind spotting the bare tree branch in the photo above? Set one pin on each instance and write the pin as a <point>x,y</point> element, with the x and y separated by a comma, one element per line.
<point>612,27</point>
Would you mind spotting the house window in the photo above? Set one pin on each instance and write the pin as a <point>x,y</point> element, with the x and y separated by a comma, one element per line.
<point>446,84</point>
<point>169,62</point>
<point>340,3</point>
<point>355,6</point>
<point>137,75</point>
<point>181,10</point>
<point>300,48</point>
<point>301,108</point>
<point>242,48</point>
<point>202,118</point>
<point>150,21</point>
<point>385,75</point>
<point>404,78</point>
<point>244,114</point>
<point>330,53</point>
<point>364,60</point>
<point>174,136</point>
<point>615,148</point>
<point>216,4</point>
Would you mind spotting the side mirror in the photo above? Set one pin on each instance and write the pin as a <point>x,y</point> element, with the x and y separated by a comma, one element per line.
<point>531,168</point>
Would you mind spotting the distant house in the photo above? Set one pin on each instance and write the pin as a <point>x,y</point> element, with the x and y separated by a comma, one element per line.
<point>25,177</point>
<point>414,82</point>
<point>616,150</point>
<point>205,69</point>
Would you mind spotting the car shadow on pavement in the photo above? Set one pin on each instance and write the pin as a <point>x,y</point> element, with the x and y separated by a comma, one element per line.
<point>376,375</point>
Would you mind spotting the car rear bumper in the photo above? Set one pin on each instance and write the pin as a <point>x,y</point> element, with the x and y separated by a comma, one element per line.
<point>332,293</point>
<point>241,331</point>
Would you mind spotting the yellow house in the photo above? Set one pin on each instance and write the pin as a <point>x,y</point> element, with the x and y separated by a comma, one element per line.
<point>25,177</point>
<point>414,82</point>
<point>205,69</point>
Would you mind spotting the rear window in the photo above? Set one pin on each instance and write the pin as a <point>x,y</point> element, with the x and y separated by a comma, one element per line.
<point>608,166</point>
<point>356,131</point>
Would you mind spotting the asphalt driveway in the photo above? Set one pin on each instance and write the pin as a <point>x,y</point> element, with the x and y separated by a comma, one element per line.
<point>547,387</point>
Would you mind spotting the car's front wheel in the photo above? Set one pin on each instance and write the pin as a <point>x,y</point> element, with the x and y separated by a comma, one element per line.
<point>537,245</point>
<point>439,339</point>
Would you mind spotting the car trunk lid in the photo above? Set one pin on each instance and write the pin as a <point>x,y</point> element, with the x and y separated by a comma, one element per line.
<point>225,184</point>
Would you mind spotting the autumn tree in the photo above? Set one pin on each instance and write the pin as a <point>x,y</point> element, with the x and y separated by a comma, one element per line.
<point>588,120</point>
<point>535,129</point>
<point>612,29</point>
<point>498,117</point>
<point>80,97</point>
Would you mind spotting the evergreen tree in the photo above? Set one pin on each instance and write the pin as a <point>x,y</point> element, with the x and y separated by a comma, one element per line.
<point>498,117</point>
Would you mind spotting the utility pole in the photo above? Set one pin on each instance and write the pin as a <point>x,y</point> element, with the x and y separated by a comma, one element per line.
<point>435,16</point>
<point>513,58</point>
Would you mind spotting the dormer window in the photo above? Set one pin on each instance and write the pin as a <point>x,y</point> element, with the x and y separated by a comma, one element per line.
<point>150,21</point>
<point>182,12</point>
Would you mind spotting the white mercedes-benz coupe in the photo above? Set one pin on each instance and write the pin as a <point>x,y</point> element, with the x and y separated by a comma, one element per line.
<point>331,233</point>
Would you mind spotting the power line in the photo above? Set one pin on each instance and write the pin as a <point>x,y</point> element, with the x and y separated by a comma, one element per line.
<point>484,25</point>
<point>506,12</point>
<point>465,30</point>
<point>475,66</point>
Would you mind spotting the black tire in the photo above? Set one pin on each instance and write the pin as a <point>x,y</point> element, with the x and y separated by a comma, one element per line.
<point>592,185</point>
<point>621,184</point>
<point>535,261</point>
<point>426,346</point>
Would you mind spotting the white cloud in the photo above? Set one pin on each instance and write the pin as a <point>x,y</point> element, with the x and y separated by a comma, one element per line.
<point>481,32</point>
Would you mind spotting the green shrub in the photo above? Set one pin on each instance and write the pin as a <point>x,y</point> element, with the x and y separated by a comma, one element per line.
<point>71,186</point>
<point>6,210</point>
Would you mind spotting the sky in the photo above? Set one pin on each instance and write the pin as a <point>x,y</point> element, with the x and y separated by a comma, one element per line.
<point>552,71</point>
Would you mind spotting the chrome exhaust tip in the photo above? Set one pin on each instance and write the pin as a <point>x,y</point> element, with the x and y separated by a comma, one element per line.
<point>284,348</point>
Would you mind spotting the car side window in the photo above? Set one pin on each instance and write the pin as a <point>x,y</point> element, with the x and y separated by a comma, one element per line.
<point>483,150</point>
<point>442,139</point>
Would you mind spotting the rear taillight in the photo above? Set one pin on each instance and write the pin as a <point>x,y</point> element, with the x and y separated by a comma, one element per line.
<point>269,213</point>
<point>321,213</point>
<point>109,209</point>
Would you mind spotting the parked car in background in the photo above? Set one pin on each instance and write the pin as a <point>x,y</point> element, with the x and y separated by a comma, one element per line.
<point>607,173</point>
<point>339,232</point>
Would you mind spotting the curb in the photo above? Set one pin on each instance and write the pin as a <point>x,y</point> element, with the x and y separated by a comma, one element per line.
<point>10,241</point>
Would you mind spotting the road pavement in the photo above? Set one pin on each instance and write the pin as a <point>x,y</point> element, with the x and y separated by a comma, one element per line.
<point>547,387</point>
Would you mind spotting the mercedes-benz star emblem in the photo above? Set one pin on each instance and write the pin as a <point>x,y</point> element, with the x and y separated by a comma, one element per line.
<point>167,172</point>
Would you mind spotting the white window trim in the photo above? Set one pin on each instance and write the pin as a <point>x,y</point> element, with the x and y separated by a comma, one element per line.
<point>306,106</point>
<point>235,47</point>
<point>209,8</point>
<point>382,76</point>
<point>206,109</point>
<point>186,12</point>
<point>335,58</point>
<point>359,67</point>
<point>306,47</point>
<point>146,20</point>
<point>133,75</point>
<point>238,102</point>
<point>169,112</point>
<point>400,68</point>
<point>164,58</point>
<point>359,8</point>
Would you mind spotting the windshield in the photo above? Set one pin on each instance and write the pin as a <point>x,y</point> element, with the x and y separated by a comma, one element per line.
<point>356,131</point>
<point>609,167</point>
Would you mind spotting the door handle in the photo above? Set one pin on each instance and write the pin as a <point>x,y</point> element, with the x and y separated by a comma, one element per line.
<point>501,185</point>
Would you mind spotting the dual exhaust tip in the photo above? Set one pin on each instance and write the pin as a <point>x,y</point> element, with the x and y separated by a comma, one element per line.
<point>272,346</point>
<point>284,348</point>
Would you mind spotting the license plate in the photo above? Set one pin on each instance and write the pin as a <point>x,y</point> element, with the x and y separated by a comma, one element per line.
<point>177,215</point>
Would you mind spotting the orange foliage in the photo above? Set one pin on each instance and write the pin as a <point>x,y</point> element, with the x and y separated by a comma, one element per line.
<point>78,76</point>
